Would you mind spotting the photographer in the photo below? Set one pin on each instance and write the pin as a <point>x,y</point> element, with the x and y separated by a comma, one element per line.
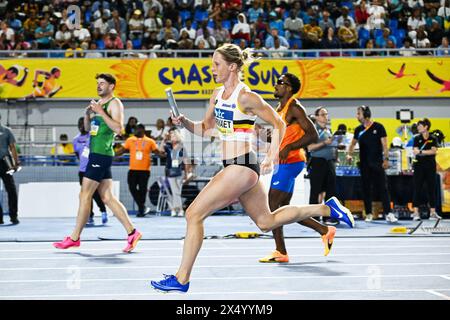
<point>9,163</point>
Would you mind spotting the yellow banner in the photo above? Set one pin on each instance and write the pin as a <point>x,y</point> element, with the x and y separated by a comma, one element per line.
<point>192,78</point>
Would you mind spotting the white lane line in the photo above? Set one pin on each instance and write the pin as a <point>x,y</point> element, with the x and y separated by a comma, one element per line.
<point>441,295</point>
<point>227,241</point>
<point>239,248</point>
<point>134,257</point>
<point>213,293</point>
<point>241,266</point>
<point>445,277</point>
<point>229,278</point>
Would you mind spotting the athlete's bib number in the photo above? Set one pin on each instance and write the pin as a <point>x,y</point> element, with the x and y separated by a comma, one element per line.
<point>175,163</point>
<point>94,129</point>
<point>139,155</point>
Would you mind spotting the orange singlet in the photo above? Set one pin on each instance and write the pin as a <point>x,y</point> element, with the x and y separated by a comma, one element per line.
<point>293,133</point>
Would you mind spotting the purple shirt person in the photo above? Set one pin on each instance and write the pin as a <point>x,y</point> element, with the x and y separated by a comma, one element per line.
<point>81,147</point>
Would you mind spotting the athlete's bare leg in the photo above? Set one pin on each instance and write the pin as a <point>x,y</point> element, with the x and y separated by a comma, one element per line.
<point>108,198</point>
<point>277,199</point>
<point>88,187</point>
<point>224,188</point>
<point>256,205</point>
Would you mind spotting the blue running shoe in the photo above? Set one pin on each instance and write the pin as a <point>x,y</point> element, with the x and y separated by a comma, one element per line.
<point>104,217</point>
<point>170,283</point>
<point>90,222</point>
<point>338,211</point>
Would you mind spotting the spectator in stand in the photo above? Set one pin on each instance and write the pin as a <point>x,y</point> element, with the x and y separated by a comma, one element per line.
<point>131,53</point>
<point>435,34</point>
<point>277,49</point>
<point>130,127</point>
<point>185,42</point>
<point>377,16</point>
<point>241,30</point>
<point>13,22</point>
<point>220,34</point>
<point>21,45</point>
<point>412,4</point>
<point>309,15</point>
<point>101,24</point>
<point>345,15</point>
<point>44,35</point>
<point>63,148</point>
<point>361,14</point>
<point>395,7</point>
<point>381,41</point>
<point>391,45</point>
<point>330,41</point>
<point>210,41</point>
<point>154,5</point>
<point>9,34</point>
<point>293,26</point>
<point>326,21</point>
<point>168,30</point>
<point>422,41</point>
<point>119,24</point>
<point>93,54</point>
<point>113,41</point>
<point>408,50</point>
<point>257,45</point>
<point>313,35</point>
<point>185,5</point>
<point>172,14</point>
<point>348,36</point>
<point>234,7</point>
<point>136,26</point>
<point>63,36</point>
<point>275,22</point>
<point>369,46</point>
<point>254,12</point>
<point>189,29</point>
<point>83,33</point>
<point>432,16</point>
<point>216,12</point>
<point>414,22</point>
<point>161,130</point>
<point>30,25</point>
<point>261,28</point>
<point>443,49</point>
<point>270,39</point>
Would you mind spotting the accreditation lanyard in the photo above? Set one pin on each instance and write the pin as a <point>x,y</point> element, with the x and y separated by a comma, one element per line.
<point>175,157</point>
<point>321,132</point>
<point>140,153</point>
<point>365,129</point>
<point>424,144</point>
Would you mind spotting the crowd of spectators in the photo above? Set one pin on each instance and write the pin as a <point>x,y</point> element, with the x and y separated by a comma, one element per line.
<point>274,26</point>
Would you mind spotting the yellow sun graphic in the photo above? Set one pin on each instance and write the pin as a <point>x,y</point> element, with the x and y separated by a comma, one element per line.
<point>313,77</point>
<point>130,75</point>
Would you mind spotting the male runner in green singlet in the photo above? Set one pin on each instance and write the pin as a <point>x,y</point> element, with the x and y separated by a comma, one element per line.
<point>103,119</point>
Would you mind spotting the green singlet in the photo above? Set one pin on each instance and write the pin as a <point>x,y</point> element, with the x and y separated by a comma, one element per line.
<point>102,137</point>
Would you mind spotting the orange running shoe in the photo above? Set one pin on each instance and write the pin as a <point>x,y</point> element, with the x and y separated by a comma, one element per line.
<point>328,238</point>
<point>275,256</point>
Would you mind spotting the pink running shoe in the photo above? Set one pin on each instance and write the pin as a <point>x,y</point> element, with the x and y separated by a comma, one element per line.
<point>132,241</point>
<point>67,243</point>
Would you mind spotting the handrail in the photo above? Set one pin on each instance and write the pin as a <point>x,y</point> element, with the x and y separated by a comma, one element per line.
<point>290,54</point>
